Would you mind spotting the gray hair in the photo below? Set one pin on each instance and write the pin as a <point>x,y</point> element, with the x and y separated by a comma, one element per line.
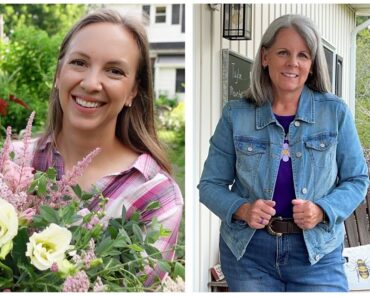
<point>260,90</point>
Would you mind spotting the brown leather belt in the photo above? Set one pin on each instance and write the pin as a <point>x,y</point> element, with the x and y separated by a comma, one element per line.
<point>278,226</point>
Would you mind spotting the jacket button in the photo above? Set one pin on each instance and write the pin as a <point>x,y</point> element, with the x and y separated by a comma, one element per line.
<point>304,191</point>
<point>317,257</point>
<point>322,145</point>
<point>298,154</point>
<point>249,149</point>
<point>297,123</point>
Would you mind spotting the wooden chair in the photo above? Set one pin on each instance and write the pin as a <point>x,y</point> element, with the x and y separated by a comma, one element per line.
<point>358,225</point>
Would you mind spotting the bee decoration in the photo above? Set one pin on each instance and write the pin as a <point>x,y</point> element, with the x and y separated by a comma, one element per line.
<point>363,269</point>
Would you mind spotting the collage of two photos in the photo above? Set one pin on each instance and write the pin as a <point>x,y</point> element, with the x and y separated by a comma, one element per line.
<point>101,189</point>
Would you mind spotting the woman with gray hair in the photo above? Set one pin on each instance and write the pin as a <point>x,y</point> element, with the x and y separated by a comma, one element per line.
<point>292,156</point>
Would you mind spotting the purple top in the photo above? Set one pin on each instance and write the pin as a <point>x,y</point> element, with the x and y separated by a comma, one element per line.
<point>284,187</point>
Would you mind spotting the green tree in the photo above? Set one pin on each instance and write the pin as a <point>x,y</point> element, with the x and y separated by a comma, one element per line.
<point>52,18</point>
<point>363,84</point>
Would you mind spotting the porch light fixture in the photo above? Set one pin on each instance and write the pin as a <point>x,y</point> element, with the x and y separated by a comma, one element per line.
<point>237,21</point>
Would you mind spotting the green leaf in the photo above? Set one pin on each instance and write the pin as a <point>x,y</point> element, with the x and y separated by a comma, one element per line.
<point>119,242</point>
<point>103,247</point>
<point>137,232</point>
<point>164,266</point>
<point>7,272</point>
<point>49,214</point>
<point>78,191</point>
<point>67,214</point>
<point>12,155</point>
<point>20,246</point>
<point>152,205</point>
<point>152,251</point>
<point>86,196</point>
<point>51,173</point>
<point>135,217</point>
<point>136,248</point>
<point>123,215</point>
<point>164,232</point>
<point>179,270</point>
<point>122,232</point>
<point>41,188</point>
<point>152,236</point>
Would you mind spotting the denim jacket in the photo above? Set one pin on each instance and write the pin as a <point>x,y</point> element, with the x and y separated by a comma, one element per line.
<point>328,166</point>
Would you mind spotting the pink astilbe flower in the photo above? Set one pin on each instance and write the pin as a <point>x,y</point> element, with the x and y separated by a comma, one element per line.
<point>70,179</point>
<point>28,214</point>
<point>54,267</point>
<point>17,178</point>
<point>4,156</point>
<point>98,285</point>
<point>77,283</point>
<point>25,172</point>
<point>90,255</point>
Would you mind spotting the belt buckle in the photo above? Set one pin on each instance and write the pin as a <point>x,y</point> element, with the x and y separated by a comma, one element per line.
<point>269,228</point>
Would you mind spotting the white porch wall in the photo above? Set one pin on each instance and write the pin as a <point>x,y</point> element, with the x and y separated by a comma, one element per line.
<point>166,81</point>
<point>334,21</point>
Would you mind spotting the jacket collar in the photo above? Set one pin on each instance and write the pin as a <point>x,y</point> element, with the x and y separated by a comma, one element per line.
<point>305,111</point>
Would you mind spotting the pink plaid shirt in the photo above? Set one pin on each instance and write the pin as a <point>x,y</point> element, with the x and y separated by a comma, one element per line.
<point>134,188</point>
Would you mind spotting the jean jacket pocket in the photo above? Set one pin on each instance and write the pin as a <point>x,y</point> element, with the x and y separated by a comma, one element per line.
<point>322,148</point>
<point>249,151</point>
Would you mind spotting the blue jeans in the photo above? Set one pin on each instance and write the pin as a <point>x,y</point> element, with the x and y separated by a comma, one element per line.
<point>280,264</point>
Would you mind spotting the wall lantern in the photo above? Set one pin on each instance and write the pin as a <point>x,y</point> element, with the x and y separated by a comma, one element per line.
<point>237,21</point>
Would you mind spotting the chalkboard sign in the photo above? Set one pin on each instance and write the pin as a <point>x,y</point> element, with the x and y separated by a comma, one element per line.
<point>236,75</point>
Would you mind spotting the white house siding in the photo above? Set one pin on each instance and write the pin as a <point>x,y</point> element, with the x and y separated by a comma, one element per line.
<point>164,32</point>
<point>334,21</point>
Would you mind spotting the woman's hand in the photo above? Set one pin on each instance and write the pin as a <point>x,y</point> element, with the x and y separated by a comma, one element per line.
<point>256,215</point>
<point>306,214</point>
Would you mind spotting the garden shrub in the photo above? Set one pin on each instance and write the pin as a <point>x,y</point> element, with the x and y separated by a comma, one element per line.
<point>27,67</point>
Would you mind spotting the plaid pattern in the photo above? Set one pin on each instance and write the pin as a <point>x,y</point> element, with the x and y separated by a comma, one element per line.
<point>133,188</point>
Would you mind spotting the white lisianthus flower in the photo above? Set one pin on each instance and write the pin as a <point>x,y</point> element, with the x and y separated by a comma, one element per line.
<point>8,225</point>
<point>49,246</point>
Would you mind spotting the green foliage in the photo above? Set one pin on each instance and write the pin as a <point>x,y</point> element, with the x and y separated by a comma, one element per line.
<point>52,18</point>
<point>363,85</point>
<point>28,59</point>
<point>363,121</point>
<point>27,72</point>
<point>122,251</point>
<point>171,131</point>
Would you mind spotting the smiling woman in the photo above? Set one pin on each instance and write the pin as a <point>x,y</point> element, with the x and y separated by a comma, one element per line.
<point>285,168</point>
<point>103,97</point>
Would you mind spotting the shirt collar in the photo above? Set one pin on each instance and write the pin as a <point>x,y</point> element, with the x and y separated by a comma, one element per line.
<point>305,111</point>
<point>144,163</point>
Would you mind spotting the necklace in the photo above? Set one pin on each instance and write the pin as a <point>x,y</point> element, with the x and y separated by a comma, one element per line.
<point>285,152</point>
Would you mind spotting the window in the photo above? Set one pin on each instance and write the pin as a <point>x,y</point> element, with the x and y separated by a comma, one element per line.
<point>338,76</point>
<point>146,14</point>
<point>180,80</point>
<point>160,14</point>
<point>146,9</point>
<point>182,18</point>
<point>329,55</point>
<point>175,14</point>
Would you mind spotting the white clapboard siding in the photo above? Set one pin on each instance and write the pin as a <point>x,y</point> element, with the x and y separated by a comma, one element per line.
<point>334,21</point>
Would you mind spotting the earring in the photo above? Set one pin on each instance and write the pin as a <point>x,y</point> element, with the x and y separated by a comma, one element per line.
<point>129,104</point>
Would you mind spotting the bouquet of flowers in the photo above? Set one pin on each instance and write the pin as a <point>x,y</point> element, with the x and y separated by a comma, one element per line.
<point>51,241</point>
